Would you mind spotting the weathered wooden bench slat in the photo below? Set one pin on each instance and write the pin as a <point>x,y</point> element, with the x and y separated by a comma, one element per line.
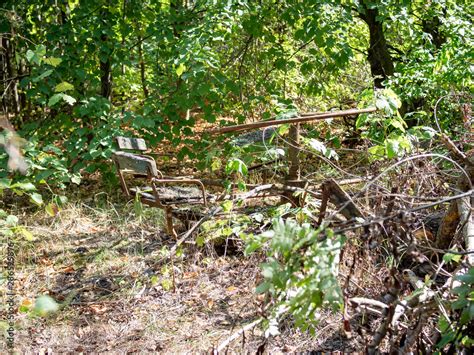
<point>131,143</point>
<point>137,163</point>
<point>160,194</point>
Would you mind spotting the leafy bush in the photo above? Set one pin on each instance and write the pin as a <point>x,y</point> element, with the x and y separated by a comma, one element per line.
<point>455,331</point>
<point>300,273</point>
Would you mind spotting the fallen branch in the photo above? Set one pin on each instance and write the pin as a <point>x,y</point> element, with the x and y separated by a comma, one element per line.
<point>456,153</point>
<point>234,336</point>
<point>339,197</point>
<point>367,301</point>
<point>400,214</point>
<point>466,219</point>
<point>391,298</point>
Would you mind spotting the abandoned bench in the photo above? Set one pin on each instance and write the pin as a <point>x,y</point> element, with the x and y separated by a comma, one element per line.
<point>167,193</point>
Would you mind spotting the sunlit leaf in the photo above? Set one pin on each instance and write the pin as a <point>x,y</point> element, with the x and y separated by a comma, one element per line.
<point>45,305</point>
<point>53,61</point>
<point>180,69</point>
<point>64,86</point>
<point>36,198</point>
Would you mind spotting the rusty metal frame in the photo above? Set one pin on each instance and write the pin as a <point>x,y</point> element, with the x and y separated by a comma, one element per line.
<point>157,202</point>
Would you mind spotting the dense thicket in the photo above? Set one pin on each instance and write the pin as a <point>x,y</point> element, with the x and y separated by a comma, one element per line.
<point>75,73</point>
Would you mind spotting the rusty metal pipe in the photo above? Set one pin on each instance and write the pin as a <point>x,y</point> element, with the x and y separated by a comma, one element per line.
<point>261,124</point>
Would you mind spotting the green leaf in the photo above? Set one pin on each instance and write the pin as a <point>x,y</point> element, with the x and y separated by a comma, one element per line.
<point>25,186</point>
<point>448,257</point>
<point>62,200</point>
<point>42,76</point>
<point>227,206</point>
<point>283,129</point>
<point>377,152</point>
<point>69,99</point>
<point>362,120</point>
<point>236,165</point>
<point>397,123</point>
<point>64,86</point>
<point>393,148</point>
<point>30,55</point>
<point>36,198</point>
<point>180,69</point>
<point>55,99</point>
<point>251,247</point>
<point>382,104</point>
<point>51,209</point>
<point>45,305</point>
<point>53,61</point>
<point>11,221</point>
<point>263,287</point>
<point>75,179</point>
<point>5,183</point>
<point>26,233</point>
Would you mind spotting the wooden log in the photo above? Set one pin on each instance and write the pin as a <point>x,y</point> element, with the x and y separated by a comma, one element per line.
<point>466,219</point>
<point>447,227</point>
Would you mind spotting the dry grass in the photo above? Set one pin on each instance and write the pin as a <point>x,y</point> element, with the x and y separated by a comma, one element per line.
<point>100,262</point>
<point>105,267</point>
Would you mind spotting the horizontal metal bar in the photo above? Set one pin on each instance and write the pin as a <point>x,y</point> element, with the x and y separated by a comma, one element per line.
<point>261,124</point>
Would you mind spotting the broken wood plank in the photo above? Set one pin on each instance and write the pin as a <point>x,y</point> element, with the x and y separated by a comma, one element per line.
<point>341,199</point>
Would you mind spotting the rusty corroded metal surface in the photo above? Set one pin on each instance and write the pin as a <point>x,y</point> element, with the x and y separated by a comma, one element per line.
<point>321,116</point>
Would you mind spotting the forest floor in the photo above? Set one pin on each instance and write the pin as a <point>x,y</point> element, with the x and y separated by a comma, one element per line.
<point>105,266</point>
<point>120,292</point>
<point>99,261</point>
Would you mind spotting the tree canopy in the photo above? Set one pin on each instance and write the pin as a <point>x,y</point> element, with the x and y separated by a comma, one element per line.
<point>78,73</point>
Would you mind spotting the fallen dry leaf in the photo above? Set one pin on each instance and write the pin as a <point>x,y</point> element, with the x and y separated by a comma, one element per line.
<point>45,261</point>
<point>68,269</point>
<point>423,234</point>
<point>98,309</point>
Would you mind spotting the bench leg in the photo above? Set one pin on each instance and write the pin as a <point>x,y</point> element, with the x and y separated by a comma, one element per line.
<point>169,222</point>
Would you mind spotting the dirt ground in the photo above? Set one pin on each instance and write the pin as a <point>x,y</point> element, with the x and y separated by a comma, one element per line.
<point>118,293</point>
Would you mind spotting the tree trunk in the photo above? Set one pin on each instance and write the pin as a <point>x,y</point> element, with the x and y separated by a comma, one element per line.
<point>106,74</point>
<point>105,64</point>
<point>11,98</point>
<point>381,62</point>
<point>431,26</point>
<point>142,68</point>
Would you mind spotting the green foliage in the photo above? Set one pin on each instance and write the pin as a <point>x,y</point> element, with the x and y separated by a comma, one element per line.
<point>456,331</point>
<point>169,65</point>
<point>300,272</point>
<point>45,305</point>
<point>386,128</point>
<point>9,227</point>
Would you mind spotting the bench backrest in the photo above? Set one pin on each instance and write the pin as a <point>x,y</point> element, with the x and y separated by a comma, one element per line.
<point>131,143</point>
<point>136,164</point>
